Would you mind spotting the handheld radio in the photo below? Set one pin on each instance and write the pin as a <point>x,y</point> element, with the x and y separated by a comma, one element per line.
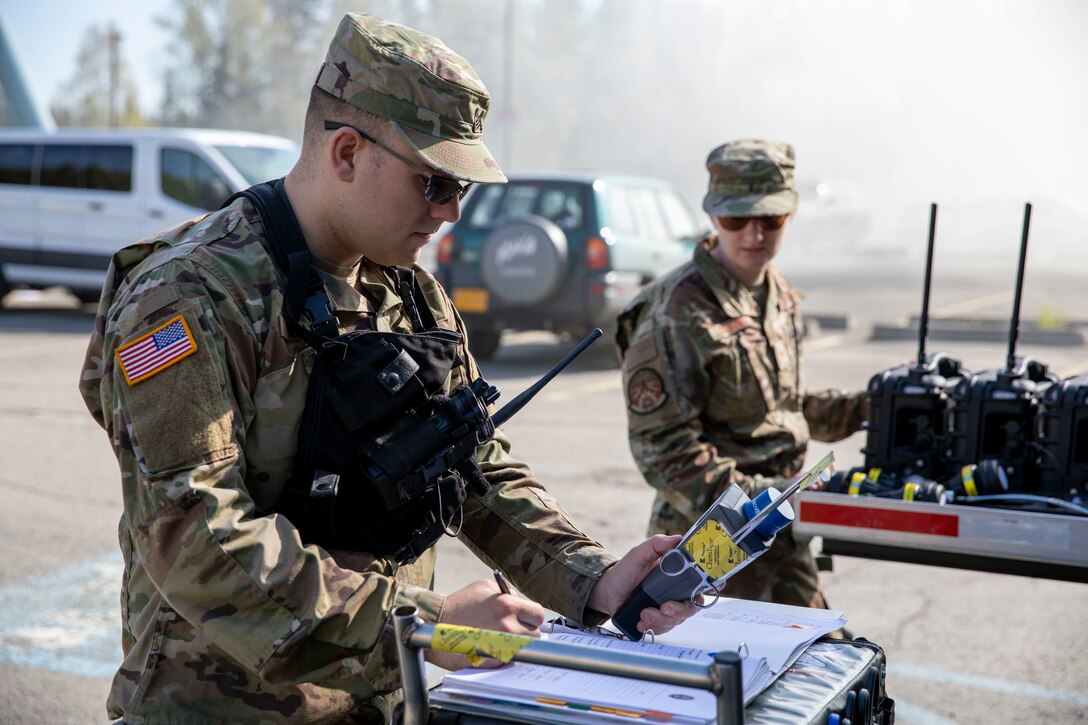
<point>1063,467</point>
<point>732,533</point>
<point>995,412</point>
<point>907,430</point>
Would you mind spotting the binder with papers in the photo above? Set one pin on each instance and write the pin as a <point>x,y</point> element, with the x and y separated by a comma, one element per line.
<point>768,638</point>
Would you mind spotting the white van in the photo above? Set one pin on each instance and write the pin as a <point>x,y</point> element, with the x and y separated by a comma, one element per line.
<point>70,199</point>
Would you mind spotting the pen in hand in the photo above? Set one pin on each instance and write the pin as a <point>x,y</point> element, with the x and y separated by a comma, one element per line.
<point>528,619</point>
<point>504,586</point>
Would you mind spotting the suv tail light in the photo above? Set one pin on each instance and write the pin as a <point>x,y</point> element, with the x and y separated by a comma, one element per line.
<point>446,247</point>
<point>597,256</point>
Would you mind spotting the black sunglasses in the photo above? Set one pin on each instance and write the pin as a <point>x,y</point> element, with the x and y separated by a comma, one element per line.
<point>439,190</point>
<point>769,223</point>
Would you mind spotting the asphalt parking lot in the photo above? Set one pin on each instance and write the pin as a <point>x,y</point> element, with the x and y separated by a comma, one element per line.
<point>963,646</point>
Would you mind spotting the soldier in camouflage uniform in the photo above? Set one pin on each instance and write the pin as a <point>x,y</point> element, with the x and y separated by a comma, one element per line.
<point>226,615</point>
<point>711,358</point>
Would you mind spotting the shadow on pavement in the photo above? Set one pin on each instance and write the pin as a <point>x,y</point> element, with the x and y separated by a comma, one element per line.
<point>521,353</point>
<point>24,312</point>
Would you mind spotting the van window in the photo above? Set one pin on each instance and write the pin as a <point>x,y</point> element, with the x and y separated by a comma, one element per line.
<point>189,179</point>
<point>78,166</point>
<point>16,163</point>
<point>259,163</point>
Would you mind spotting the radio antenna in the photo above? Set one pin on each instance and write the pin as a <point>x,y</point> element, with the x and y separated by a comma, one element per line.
<point>923,322</point>
<point>507,412</point>
<point>1014,327</point>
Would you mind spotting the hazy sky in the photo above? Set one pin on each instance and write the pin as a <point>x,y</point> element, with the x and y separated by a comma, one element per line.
<point>977,104</point>
<point>47,35</point>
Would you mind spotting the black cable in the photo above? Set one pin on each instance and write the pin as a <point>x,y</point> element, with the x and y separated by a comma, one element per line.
<point>1025,498</point>
<point>1047,451</point>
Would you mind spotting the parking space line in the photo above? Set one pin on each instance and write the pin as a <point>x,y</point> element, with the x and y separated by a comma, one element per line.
<point>1079,368</point>
<point>909,712</point>
<point>973,304</point>
<point>823,342</point>
<point>985,682</point>
<point>33,350</point>
<point>577,391</point>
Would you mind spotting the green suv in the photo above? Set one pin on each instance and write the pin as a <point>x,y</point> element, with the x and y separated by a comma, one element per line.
<point>560,251</point>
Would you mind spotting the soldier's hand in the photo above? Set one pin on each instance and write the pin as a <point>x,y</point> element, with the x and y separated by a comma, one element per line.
<point>620,579</point>
<point>482,605</point>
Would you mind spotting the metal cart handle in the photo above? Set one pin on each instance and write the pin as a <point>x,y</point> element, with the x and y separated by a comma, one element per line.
<point>722,677</point>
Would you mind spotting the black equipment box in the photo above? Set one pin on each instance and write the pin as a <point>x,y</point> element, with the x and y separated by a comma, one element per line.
<point>1064,437</point>
<point>833,677</point>
<point>986,471</point>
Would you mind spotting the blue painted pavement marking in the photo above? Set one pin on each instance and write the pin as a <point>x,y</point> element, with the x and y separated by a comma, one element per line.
<point>68,620</point>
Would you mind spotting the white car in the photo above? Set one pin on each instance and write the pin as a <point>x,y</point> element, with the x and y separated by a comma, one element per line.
<point>70,199</point>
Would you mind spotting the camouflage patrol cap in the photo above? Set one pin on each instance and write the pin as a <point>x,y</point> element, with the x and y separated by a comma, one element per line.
<point>433,97</point>
<point>751,177</point>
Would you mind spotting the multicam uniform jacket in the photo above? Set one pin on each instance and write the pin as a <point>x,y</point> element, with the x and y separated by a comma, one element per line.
<point>226,616</point>
<point>714,396</point>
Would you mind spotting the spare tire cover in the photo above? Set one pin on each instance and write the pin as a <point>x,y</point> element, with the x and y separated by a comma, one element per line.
<point>525,261</point>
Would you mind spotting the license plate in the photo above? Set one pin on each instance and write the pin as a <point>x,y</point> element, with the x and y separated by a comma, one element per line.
<point>470,299</point>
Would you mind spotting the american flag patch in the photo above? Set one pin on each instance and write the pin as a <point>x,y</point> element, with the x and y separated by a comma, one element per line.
<point>156,351</point>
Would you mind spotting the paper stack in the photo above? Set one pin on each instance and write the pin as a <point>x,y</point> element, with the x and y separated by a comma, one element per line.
<point>769,637</point>
<point>775,633</point>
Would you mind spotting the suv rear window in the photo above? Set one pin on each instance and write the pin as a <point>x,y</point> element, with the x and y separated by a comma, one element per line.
<point>562,203</point>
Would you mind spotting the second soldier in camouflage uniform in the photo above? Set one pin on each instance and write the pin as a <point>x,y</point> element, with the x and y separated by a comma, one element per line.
<point>227,616</point>
<point>712,369</point>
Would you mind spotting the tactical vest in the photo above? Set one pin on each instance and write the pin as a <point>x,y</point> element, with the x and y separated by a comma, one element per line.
<point>384,458</point>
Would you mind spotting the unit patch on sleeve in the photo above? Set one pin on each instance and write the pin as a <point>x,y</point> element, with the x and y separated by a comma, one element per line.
<point>646,391</point>
<point>157,350</point>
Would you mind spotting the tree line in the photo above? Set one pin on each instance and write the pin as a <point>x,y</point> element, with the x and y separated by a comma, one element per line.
<point>249,64</point>
<point>861,89</point>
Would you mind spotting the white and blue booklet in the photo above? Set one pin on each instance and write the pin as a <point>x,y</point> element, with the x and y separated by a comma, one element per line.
<point>769,637</point>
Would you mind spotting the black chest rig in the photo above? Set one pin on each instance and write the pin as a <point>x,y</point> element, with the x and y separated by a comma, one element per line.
<point>385,459</point>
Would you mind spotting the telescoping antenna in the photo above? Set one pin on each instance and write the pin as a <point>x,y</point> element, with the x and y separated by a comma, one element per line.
<point>507,411</point>
<point>923,322</point>
<point>1014,326</point>
<point>908,422</point>
<point>996,412</point>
